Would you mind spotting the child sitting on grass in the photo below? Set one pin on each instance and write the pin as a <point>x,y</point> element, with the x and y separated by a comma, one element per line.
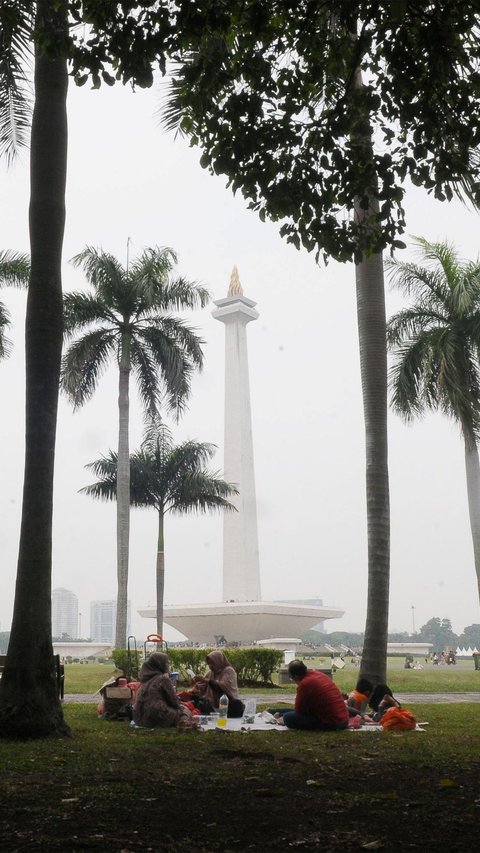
<point>357,700</point>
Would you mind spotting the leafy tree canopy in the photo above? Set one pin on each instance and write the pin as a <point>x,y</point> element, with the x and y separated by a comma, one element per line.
<point>439,632</point>
<point>267,89</point>
<point>470,636</point>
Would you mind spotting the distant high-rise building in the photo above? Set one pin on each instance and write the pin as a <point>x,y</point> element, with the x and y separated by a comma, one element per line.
<point>103,621</point>
<point>64,613</point>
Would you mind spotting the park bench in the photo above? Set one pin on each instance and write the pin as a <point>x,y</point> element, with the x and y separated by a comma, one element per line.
<point>58,668</point>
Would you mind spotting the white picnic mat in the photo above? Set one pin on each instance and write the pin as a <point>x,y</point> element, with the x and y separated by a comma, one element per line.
<point>237,725</point>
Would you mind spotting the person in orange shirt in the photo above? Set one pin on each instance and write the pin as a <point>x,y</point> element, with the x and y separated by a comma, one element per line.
<point>357,700</point>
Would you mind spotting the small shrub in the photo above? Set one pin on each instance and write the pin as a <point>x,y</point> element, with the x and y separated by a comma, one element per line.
<point>250,664</point>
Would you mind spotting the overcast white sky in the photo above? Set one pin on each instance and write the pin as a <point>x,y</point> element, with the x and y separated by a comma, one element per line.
<point>128,179</point>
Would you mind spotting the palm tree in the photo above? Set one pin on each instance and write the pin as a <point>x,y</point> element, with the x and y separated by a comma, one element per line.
<point>14,271</point>
<point>169,478</point>
<point>29,703</point>
<point>128,318</point>
<point>436,343</point>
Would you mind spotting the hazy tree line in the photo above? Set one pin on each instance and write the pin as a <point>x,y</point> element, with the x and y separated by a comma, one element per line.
<point>437,631</point>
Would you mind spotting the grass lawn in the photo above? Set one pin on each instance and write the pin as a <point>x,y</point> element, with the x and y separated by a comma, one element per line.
<point>462,678</point>
<point>107,788</point>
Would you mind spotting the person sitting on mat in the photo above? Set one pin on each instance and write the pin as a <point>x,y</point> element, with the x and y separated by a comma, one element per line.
<point>156,702</point>
<point>357,700</point>
<point>381,698</point>
<point>319,705</point>
<point>219,679</point>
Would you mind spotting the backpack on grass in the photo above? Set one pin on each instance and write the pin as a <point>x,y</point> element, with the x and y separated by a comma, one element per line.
<point>398,720</point>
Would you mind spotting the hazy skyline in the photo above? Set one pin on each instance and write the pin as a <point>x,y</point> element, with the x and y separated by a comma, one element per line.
<point>128,180</point>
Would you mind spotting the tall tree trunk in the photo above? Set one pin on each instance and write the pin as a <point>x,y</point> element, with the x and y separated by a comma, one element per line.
<point>123,496</point>
<point>372,334</point>
<point>373,368</point>
<point>29,701</point>
<point>160,573</point>
<point>472,468</point>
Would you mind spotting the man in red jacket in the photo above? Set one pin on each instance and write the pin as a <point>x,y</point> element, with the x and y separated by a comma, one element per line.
<point>319,705</point>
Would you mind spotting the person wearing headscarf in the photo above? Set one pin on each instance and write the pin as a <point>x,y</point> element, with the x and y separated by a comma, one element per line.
<point>219,679</point>
<point>156,703</point>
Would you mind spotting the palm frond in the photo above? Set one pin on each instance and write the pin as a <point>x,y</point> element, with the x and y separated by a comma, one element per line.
<point>151,269</point>
<point>406,378</point>
<point>442,255</point>
<point>106,469</point>
<point>14,269</point>
<point>16,26</point>
<point>176,350</point>
<point>420,282</point>
<point>84,362</point>
<point>157,439</point>
<point>466,188</point>
<point>167,294</point>
<point>409,323</point>
<point>164,350</point>
<point>189,457</point>
<point>157,290</point>
<point>166,477</point>
<point>172,109</point>
<point>465,295</point>
<point>82,309</point>
<point>5,343</point>
<point>147,487</point>
<point>103,271</point>
<point>177,333</point>
<point>203,491</point>
<point>146,372</point>
<point>436,352</point>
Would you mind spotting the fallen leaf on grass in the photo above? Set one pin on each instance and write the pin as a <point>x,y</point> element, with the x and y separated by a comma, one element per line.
<point>70,800</point>
<point>318,782</point>
<point>372,845</point>
<point>447,783</point>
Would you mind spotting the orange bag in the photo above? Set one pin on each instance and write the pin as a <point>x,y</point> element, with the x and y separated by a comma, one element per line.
<point>398,720</point>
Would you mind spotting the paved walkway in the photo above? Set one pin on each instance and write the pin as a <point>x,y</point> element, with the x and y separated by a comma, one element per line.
<point>273,697</point>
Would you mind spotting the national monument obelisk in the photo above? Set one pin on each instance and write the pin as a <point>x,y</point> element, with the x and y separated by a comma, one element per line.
<point>241,571</point>
<point>241,616</point>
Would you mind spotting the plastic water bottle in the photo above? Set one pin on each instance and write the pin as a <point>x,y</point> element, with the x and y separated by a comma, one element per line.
<point>222,711</point>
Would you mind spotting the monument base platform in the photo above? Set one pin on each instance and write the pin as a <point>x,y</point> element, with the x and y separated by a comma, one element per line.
<point>242,621</point>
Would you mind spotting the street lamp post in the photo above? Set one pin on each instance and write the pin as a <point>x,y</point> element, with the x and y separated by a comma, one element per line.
<point>413,618</point>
